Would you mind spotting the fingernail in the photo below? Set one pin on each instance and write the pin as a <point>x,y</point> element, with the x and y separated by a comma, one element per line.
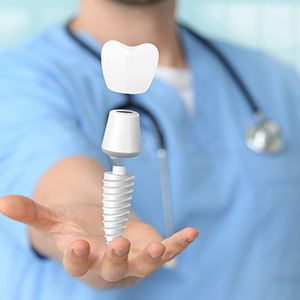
<point>155,256</point>
<point>120,251</point>
<point>79,252</point>
<point>191,239</point>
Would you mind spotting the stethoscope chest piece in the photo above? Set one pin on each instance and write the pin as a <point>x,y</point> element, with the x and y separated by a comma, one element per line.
<point>265,137</point>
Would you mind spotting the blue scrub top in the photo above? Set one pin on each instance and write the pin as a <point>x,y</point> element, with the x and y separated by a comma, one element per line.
<point>54,103</point>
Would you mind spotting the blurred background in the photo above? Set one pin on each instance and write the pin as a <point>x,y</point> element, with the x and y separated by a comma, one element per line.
<point>270,25</point>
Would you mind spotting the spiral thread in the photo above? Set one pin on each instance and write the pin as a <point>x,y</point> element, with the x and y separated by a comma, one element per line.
<point>117,196</point>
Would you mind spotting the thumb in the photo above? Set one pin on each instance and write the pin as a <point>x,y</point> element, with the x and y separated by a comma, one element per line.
<point>25,210</point>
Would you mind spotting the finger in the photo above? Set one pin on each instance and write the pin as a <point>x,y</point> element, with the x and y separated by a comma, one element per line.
<point>23,209</point>
<point>115,260</point>
<point>178,242</point>
<point>76,258</point>
<point>148,260</point>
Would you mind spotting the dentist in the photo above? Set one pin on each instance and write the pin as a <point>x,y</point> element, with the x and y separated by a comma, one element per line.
<point>53,109</point>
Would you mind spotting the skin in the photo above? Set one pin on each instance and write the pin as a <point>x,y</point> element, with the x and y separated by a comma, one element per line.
<point>64,214</point>
<point>137,2</point>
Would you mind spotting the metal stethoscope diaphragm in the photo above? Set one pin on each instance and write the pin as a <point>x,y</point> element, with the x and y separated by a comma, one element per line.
<point>264,136</point>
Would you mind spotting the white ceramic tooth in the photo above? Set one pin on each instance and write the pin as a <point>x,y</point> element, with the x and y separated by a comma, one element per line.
<point>129,70</point>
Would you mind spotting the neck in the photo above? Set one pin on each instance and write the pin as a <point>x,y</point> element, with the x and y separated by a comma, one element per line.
<point>132,25</point>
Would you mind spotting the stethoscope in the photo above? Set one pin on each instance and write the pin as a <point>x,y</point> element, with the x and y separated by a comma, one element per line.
<point>263,137</point>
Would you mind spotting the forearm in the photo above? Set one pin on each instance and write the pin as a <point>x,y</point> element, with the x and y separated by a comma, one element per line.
<point>73,180</point>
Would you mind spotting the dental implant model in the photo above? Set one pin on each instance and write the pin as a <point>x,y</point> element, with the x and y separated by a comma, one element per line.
<point>126,70</point>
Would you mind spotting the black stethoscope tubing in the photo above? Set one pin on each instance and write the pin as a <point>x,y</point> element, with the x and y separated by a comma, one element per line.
<point>208,45</point>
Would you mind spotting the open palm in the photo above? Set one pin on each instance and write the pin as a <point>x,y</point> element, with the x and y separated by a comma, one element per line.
<point>73,235</point>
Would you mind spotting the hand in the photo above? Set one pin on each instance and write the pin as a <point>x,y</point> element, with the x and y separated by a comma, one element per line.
<point>73,235</point>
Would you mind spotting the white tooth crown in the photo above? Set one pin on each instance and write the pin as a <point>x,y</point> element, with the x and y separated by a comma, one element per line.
<point>129,70</point>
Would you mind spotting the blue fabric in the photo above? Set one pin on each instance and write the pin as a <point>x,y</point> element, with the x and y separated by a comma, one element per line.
<point>53,104</point>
